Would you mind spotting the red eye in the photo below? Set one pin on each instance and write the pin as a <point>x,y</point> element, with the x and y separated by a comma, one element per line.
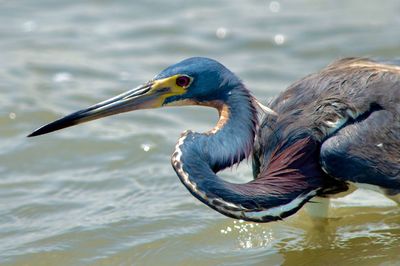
<point>183,81</point>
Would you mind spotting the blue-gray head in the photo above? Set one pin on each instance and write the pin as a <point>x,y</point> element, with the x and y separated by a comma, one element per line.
<point>203,79</point>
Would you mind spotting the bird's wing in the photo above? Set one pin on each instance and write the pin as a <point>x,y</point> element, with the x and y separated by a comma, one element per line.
<point>367,151</point>
<point>290,178</point>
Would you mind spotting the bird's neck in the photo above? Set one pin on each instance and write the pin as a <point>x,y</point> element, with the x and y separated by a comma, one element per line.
<point>198,157</point>
<point>232,138</point>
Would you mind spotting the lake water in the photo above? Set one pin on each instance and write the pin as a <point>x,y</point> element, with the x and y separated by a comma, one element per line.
<point>104,193</point>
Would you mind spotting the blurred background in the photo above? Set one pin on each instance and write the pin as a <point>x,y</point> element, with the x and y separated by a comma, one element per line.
<point>104,193</point>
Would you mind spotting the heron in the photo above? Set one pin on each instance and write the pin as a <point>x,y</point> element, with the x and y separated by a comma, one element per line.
<point>326,132</point>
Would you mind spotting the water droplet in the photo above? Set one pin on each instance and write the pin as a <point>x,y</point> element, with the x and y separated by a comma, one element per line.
<point>145,147</point>
<point>221,33</point>
<point>29,26</point>
<point>12,115</point>
<point>62,77</point>
<point>274,6</point>
<point>279,39</point>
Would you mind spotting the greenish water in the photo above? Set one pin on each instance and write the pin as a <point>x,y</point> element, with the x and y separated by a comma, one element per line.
<point>104,193</point>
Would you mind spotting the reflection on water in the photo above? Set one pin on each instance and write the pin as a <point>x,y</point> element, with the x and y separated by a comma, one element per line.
<point>249,235</point>
<point>104,193</point>
<point>365,237</point>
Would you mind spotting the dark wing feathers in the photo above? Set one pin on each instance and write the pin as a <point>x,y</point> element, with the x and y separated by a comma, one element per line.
<point>365,149</point>
<point>366,152</point>
<point>294,170</point>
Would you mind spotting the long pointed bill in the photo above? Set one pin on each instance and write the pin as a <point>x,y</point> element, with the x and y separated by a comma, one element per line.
<point>150,95</point>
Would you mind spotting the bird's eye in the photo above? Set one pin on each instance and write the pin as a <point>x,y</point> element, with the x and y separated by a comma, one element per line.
<point>183,81</point>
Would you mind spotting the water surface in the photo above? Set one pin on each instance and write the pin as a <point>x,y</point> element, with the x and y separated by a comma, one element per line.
<point>104,193</point>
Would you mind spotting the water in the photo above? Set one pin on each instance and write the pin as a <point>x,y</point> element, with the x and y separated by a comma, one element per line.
<point>104,193</point>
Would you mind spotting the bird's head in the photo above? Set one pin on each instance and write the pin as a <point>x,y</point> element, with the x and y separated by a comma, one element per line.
<point>193,81</point>
<point>196,80</point>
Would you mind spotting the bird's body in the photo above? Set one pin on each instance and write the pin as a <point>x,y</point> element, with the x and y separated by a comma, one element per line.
<point>351,110</point>
<point>333,127</point>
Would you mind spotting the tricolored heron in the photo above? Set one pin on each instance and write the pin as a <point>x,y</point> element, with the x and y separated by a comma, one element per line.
<point>334,127</point>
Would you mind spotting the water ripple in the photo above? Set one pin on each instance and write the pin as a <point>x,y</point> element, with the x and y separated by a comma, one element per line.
<point>104,193</point>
